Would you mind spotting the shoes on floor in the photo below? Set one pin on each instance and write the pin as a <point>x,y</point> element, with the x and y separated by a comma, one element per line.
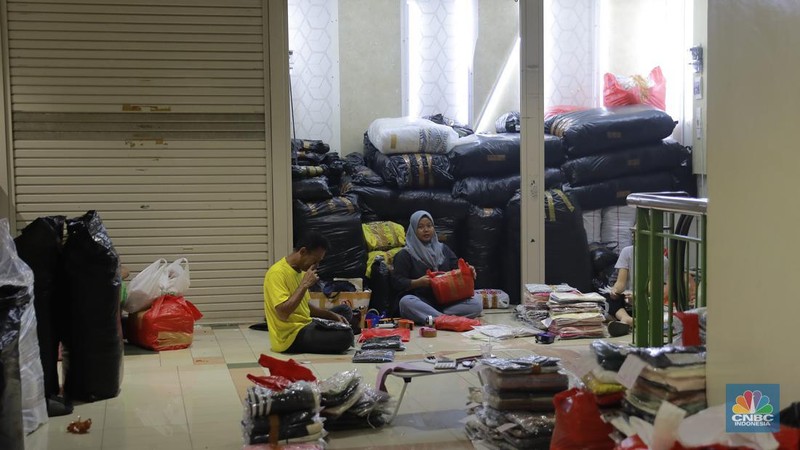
<point>260,326</point>
<point>616,329</point>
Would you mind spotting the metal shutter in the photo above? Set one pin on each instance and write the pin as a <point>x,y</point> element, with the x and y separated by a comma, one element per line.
<point>153,113</point>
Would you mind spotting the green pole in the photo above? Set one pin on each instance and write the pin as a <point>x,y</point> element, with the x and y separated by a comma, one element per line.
<point>656,285</point>
<point>641,247</point>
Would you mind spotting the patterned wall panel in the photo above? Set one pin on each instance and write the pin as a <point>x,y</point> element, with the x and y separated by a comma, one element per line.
<point>441,42</point>
<point>314,40</point>
<point>569,53</point>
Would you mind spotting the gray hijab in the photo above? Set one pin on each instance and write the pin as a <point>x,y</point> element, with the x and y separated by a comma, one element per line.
<point>429,254</point>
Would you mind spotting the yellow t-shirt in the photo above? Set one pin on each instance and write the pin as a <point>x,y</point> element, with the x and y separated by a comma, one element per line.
<point>279,283</point>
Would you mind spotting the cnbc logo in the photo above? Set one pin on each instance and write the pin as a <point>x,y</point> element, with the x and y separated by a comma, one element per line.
<point>752,408</point>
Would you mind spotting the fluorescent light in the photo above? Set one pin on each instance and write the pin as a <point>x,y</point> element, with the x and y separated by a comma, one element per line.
<point>501,88</point>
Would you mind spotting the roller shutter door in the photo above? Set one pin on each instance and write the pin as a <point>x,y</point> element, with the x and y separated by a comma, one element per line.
<point>153,113</point>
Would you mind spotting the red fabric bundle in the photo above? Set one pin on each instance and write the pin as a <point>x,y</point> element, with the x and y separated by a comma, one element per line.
<point>271,382</point>
<point>453,286</point>
<point>455,323</point>
<point>167,325</point>
<point>367,333</point>
<point>290,369</point>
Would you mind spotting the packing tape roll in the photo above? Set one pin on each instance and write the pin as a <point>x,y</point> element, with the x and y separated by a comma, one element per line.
<point>427,332</point>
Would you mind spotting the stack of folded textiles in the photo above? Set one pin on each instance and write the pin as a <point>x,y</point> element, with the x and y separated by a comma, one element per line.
<point>673,374</point>
<point>534,308</point>
<point>576,315</point>
<point>517,408</point>
<point>292,413</point>
<point>349,403</point>
<point>602,381</point>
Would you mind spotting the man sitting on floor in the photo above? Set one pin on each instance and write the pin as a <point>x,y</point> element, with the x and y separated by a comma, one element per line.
<point>287,308</point>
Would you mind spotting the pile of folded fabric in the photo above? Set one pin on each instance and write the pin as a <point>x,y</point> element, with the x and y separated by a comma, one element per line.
<point>292,413</point>
<point>379,349</point>
<point>575,315</point>
<point>534,309</point>
<point>517,406</point>
<point>602,381</point>
<point>349,403</point>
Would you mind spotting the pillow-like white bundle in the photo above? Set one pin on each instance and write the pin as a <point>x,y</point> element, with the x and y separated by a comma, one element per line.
<point>411,135</point>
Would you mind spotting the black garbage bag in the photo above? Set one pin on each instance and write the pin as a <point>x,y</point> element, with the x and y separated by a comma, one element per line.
<point>92,356</point>
<point>593,131</point>
<point>301,172</point>
<point>354,159</point>
<point>448,231</point>
<point>40,246</point>
<point>659,156</point>
<point>339,219</point>
<point>566,250</point>
<point>508,123</point>
<point>310,145</point>
<point>380,285</point>
<point>554,154</point>
<point>413,170</point>
<point>460,128</point>
<point>308,158</point>
<point>389,204</point>
<point>360,174</point>
<point>512,282</point>
<point>311,189</point>
<point>603,255</point>
<point>553,178</point>
<point>483,245</point>
<point>615,192</point>
<point>486,155</point>
<point>487,192</point>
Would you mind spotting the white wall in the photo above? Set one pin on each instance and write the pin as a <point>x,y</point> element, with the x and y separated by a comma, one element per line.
<point>753,208</point>
<point>570,61</point>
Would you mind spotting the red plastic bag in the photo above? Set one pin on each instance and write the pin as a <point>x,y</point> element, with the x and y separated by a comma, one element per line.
<point>632,443</point>
<point>634,90</point>
<point>453,286</point>
<point>167,325</point>
<point>455,323</point>
<point>367,333</point>
<point>272,382</point>
<point>290,369</point>
<point>578,423</point>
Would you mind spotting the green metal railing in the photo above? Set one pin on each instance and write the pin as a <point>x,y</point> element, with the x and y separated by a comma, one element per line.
<point>664,221</point>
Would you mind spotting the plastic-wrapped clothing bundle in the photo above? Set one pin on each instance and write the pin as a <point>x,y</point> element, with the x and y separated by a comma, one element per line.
<point>371,404</point>
<point>566,249</point>
<point>300,396</point>
<point>338,410</point>
<point>412,171</point>
<point>308,158</point>
<point>311,145</point>
<point>539,382</point>
<point>659,156</point>
<point>384,235</point>
<point>494,298</point>
<point>410,135</point>
<point>40,246</point>
<point>483,245</point>
<point>380,284</point>
<point>92,357</point>
<point>615,192</point>
<point>34,407</point>
<point>487,192</point>
<point>338,388</point>
<point>300,172</point>
<point>383,343</point>
<point>386,255</point>
<point>486,155</point>
<point>311,189</point>
<point>360,174</point>
<point>292,425</point>
<point>592,131</point>
<point>340,220</point>
<point>400,205</point>
<point>521,429</point>
<point>518,400</point>
<point>373,356</point>
<point>554,154</point>
<point>508,123</point>
<point>460,128</point>
<point>610,356</point>
<point>553,178</point>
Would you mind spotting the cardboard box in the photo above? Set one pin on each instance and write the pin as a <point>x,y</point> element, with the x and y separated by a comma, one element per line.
<point>355,300</point>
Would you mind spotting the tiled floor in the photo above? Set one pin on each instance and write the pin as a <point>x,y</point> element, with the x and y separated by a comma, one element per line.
<point>190,399</point>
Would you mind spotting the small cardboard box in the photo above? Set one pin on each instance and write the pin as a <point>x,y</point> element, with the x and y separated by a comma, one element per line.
<point>355,300</point>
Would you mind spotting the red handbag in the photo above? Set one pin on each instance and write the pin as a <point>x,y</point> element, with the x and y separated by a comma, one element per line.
<point>453,286</point>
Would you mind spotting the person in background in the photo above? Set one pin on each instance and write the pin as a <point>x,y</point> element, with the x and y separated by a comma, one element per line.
<point>287,309</point>
<point>422,252</point>
<point>621,293</point>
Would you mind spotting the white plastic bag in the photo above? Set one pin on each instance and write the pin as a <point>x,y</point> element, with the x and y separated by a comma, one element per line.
<point>146,286</point>
<point>177,280</point>
<point>34,408</point>
<point>411,135</point>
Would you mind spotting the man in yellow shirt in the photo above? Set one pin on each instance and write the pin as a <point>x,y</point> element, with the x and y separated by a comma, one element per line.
<point>287,308</point>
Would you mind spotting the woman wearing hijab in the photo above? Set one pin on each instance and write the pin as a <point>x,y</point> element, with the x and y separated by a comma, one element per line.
<point>423,251</point>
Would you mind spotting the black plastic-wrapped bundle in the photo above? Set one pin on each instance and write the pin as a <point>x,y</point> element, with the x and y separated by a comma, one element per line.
<point>508,123</point>
<point>554,154</point>
<point>311,189</point>
<point>308,158</point>
<point>310,145</point>
<point>512,283</point>
<point>390,204</point>
<point>380,285</point>
<point>593,131</point>
<point>483,245</point>
<point>566,251</point>
<point>655,157</point>
<point>40,246</point>
<point>92,356</point>
<point>604,258</point>
<point>487,192</point>
<point>300,172</point>
<point>486,155</point>
<point>615,192</point>
<point>412,170</point>
<point>460,128</point>
<point>339,219</point>
<point>553,178</point>
<point>448,231</point>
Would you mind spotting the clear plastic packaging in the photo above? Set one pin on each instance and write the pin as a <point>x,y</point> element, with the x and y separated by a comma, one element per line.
<point>373,356</point>
<point>338,410</point>
<point>526,364</point>
<point>383,343</point>
<point>509,400</point>
<point>336,389</point>
<point>290,426</point>
<point>300,396</point>
<point>541,382</point>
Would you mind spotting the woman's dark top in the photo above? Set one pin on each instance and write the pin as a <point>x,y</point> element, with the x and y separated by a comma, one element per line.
<point>406,269</point>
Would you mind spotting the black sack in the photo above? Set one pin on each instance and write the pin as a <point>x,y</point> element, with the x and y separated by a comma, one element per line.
<point>299,172</point>
<point>483,245</point>
<point>512,256</point>
<point>460,128</point>
<point>311,189</point>
<point>40,246</point>
<point>592,131</point>
<point>487,192</point>
<point>448,231</point>
<point>486,155</point>
<point>380,285</point>
<point>339,220</point>
<point>412,170</point>
<point>388,204</point>
<point>360,174</point>
<point>554,154</point>
<point>615,192</point>
<point>553,178</point>
<point>310,145</point>
<point>566,252</point>
<point>508,123</point>
<point>92,357</point>
<point>655,157</point>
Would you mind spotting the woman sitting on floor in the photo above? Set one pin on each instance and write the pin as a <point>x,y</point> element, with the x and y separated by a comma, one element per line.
<point>423,251</point>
